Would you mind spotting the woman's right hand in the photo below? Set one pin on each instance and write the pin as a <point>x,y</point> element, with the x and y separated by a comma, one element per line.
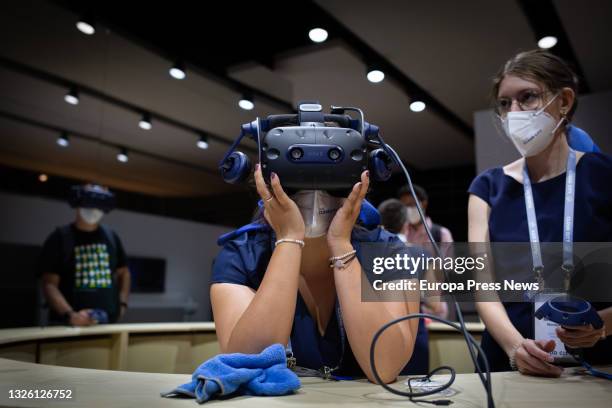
<point>532,357</point>
<point>81,318</point>
<point>280,211</point>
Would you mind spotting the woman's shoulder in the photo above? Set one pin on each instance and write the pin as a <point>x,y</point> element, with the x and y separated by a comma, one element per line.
<point>485,183</point>
<point>597,161</point>
<point>377,234</point>
<point>242,257</point>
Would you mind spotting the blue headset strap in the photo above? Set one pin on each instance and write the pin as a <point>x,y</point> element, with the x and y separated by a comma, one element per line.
<point>233,147</point>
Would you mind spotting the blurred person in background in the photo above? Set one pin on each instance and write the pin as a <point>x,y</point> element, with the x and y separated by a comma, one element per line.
<point>85,278</point>
<point>415,234</point>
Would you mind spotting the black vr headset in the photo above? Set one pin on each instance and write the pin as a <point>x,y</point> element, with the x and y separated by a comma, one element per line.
<point>311,150</point>
<point>91,196</point>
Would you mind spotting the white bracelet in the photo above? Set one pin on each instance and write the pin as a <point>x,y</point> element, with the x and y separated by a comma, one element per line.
<point>512,357</point>
<point>293,241</point>
<point>335,258</point>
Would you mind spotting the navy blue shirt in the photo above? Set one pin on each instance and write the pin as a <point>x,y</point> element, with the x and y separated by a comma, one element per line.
<point>244,260</point>
<point>508,223</point>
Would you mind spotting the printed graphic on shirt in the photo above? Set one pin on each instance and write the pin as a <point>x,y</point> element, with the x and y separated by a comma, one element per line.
<point>92,266</point>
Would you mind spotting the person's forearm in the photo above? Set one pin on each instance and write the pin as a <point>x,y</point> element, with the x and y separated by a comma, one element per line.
<point>56,300</point>
<point>124,286</point>
<point>269,317</point>
<point>499,325</point>
<point>363,319</point>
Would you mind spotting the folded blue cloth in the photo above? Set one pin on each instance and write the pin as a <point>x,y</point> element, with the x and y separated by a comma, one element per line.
<point>234,374</point>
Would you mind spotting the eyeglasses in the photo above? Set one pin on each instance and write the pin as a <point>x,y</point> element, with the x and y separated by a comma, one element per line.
<point>528,99</point>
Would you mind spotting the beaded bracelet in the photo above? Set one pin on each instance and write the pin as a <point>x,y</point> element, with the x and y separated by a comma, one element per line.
<point>342,263</point>
<point>293,241</point>
<point>335,258</point>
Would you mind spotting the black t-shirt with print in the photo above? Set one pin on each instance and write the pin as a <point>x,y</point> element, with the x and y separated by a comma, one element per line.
<point>87,264</point>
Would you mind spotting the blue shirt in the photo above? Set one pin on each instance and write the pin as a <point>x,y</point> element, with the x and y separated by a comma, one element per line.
<point>508,223</point>
<point>244,260</point>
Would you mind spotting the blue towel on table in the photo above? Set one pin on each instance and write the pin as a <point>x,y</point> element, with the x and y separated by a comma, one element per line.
<point>265,373</point>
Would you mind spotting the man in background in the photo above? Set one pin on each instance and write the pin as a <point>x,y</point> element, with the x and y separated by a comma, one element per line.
<point>83,265</point>
<point>415,234</point>
<point>414,230</point>
<point>393,217</point>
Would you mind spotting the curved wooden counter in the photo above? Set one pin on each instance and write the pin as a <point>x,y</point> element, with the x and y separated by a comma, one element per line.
<point>145,347</point>
<point>168,347</point>
<point>101,388</point>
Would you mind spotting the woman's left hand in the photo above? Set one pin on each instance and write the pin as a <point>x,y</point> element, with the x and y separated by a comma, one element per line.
<point>339,232</point>
<point>580,336</point>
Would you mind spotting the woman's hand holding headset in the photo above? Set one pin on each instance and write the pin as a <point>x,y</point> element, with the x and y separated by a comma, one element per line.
<point>280,211</point>
<point>580,336</point>
<point>339,233</point>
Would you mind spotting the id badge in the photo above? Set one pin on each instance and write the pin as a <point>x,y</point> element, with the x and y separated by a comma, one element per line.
<point>544,329</point>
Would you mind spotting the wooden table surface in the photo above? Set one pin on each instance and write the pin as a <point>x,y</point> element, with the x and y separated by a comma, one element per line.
<point>101,388</point>
<point>19,334</point>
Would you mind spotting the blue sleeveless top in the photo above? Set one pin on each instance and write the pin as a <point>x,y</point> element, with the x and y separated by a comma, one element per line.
<point>244,260</point>
<point>508,223</point>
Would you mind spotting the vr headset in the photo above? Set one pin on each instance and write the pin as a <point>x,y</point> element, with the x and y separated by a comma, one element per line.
<point>311,150</point>
<point>91,196</point>
<point>569,311</point>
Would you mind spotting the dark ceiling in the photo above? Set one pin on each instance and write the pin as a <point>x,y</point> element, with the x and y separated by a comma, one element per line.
<point>442,52</point>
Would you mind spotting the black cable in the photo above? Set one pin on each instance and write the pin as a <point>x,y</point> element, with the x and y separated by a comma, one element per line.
<point>485,378</point>
<point>428,378</point>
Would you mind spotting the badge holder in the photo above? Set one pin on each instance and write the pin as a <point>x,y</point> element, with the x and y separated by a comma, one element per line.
<point>549,307</point>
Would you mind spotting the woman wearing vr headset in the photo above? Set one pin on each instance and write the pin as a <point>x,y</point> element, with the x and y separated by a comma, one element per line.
<point>298,282</point>
<point>535,94</point>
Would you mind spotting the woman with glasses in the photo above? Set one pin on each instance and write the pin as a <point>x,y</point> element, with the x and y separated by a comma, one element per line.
<point>526,201</point>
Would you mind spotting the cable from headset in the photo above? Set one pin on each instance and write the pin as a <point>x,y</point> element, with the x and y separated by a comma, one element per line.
<point>485,377</point>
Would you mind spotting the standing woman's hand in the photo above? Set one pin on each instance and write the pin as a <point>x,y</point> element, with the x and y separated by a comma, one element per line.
<point>339,233</point>
<point>280,211</point>
<point>580,336</point>
<point>532,357</point>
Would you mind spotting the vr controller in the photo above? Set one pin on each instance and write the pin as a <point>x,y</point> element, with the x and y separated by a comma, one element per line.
<point>569,311</point>
<point>310,150</point>
<point>91,196</point>
<point>99,315</point>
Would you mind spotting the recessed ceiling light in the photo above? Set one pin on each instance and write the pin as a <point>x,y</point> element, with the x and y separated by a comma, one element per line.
<point>246,103</point>
<point>318,35</point>
<point>43,178</point>
<point>145,122</point>
<point>63,140</point>
<point>122,156</point>
<point>202,142</point>
<point>547,42</point>
<point>177,71</point>
<point>417,106</point>
<point>72,97</point>
<point>86,26</point>
<point>375,76</point>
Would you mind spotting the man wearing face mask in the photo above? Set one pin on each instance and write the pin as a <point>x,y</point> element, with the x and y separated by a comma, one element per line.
<point>83,265</point>
<point>415,234</point>
<point>414,230</point>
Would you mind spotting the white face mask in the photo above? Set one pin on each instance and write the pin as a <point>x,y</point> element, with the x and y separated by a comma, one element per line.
<point>318,209</point>
<point>413,215</point>
<point>530,131</point>
<point>91,216</point>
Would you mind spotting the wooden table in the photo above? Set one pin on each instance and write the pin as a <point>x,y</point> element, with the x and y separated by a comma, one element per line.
<point>143,347</point>
<point>169,347</point>
<point>102,388</point>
